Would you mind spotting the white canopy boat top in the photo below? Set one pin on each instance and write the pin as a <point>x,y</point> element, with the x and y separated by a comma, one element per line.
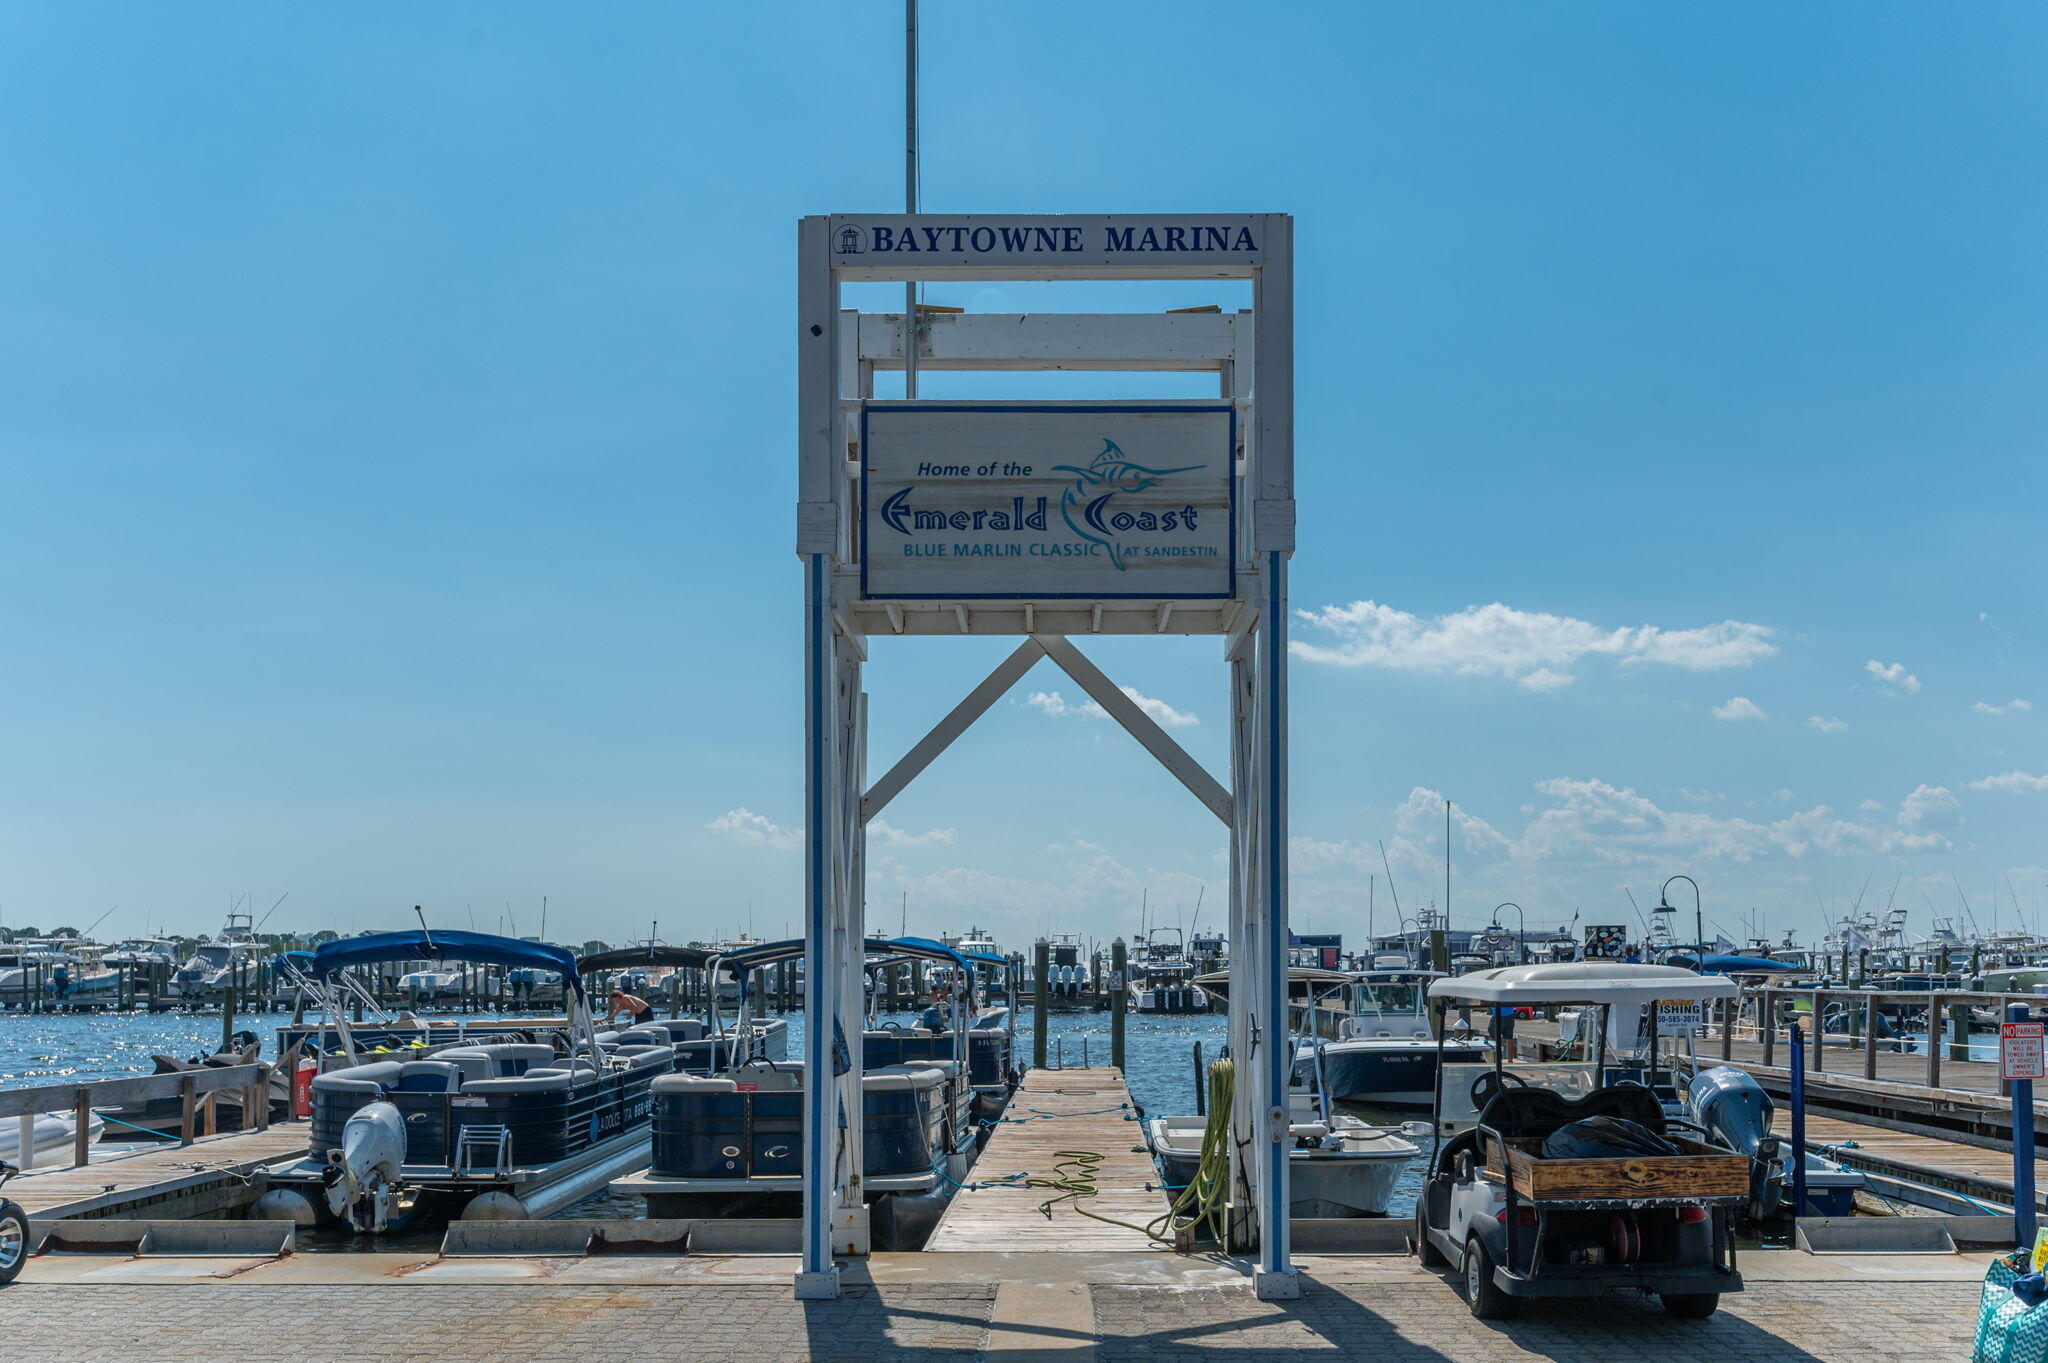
<point>1598,982</point>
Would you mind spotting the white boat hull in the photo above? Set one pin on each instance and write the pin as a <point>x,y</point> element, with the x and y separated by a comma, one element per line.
<point>52,1139</point>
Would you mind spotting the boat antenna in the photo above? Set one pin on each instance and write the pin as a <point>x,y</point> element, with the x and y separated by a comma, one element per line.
<point>1637,907</point>
<point>1205,889</point>
<point>512,918</point>
<point>1975,931</point>
<point>272,909</point>
<point>543,918</point>
<point>1391,888</point>
<point>903,923</point>
<point>1372,885</point>
<point>471,910</point>
<point>1447,869</point>
<point>424,932</point>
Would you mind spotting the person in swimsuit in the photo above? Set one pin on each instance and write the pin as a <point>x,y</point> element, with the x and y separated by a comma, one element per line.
<point>630,1006</point>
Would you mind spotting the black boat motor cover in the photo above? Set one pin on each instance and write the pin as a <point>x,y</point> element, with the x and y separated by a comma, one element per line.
<point>1605,1138</point>
<point>1732,1105</point>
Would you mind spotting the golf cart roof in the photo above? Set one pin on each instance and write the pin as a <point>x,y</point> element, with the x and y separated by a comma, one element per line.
<point>1583,982</point>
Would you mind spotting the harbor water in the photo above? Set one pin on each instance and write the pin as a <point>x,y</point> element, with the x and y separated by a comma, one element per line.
<point>53,1048</point>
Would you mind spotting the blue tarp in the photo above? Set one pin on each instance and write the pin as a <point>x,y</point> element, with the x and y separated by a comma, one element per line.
<point>449,945</point>
<point>924,948</point>
<point>1715,964</point>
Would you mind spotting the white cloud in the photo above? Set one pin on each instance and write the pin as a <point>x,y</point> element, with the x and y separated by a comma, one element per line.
<point>1874,806</point>
<point>893,836</point>
<point>1826,724</point>
<point>1930,807</point>
<point>1892,678</point>
<point>1054,704</point>
<point>1543,680</point>
<point>1531,648</point>
<point>749,829</point>
<point>1592,821</point>
<point>1739,707</point>
<point>2013,783</point>
<point>2014,706</point>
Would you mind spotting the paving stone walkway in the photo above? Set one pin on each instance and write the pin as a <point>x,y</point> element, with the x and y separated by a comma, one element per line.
<point>272,1323</point>
<point>928,1322</point>
<point>1422,1323</point>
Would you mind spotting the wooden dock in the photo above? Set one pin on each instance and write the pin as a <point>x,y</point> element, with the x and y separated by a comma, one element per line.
<point>1052,1112</point>
<point>164,1182</point>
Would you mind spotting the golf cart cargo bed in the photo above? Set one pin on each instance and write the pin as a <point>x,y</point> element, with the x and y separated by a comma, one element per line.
<point>1702,1174</point>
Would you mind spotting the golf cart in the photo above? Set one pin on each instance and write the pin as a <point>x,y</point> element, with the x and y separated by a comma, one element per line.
<point>1551,1179</point>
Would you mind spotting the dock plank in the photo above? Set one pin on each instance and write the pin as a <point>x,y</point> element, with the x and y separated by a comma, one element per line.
<point>1070,1109</point>
<point>128,1183</point>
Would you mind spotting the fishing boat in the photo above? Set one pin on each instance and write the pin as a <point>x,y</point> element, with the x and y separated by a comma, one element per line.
<point>85,980</point>
<point>213,963</point>
<point>1337,1164</point>
<point>26,967</point>
<point>494,1130</point>
<point>141,954</point>
<point>1163,978</point>
<point>1384,1053</point>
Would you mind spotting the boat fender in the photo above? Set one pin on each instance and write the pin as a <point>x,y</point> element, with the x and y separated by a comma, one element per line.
<point>495,1206</point>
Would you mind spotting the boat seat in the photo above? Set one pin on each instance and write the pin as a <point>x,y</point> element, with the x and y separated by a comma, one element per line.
<point>902,1078</point>
<point>533,1081</point>
<point>685,1029</point>
<point>640,1057</point>
<point>512,1059</point>
<point>474,1062</point>
<point>639,1036</point>
<point>381,1073</point>
<point>428,1076</point>
<point>341,1083</point>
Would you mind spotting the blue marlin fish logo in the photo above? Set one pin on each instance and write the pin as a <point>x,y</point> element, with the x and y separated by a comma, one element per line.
<point>1096,486</point>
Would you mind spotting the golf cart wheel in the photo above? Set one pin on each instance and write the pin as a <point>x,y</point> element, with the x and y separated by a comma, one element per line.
<point>1426,1252</point>
<point>1690,1305</point>
<point>13,1241</point>
<point>1482,1294</point>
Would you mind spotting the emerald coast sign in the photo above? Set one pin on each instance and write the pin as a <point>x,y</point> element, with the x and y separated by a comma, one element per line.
<point>1047,501</point>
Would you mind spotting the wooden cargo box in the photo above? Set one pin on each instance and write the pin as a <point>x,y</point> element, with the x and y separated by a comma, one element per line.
<point>1701,1173</point>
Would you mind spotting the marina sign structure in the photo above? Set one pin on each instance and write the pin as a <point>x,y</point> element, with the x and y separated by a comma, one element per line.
<point>1049,522</point>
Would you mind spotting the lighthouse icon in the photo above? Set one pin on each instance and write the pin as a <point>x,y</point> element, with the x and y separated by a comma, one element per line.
<point>849,241</point>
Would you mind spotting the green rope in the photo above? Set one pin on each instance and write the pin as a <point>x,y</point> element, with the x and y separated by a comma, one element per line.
<point>1203,1201</point>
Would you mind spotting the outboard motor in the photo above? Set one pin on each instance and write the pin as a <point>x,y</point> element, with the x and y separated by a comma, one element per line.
<point>363,1175</point>
<point>1732,1105</point>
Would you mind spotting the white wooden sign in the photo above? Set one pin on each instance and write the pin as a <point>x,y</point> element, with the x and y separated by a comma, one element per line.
<point>1140,244</point>
<point>2021,1052</point>
<point>1048,501</point>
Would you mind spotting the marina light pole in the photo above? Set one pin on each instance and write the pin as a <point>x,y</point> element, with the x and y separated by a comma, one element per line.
<point>1521,928</point>
<point>1699,926</point>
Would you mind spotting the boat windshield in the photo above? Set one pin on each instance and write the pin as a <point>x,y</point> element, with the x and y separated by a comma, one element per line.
<point>1389,997</point>
<point>213,953</point>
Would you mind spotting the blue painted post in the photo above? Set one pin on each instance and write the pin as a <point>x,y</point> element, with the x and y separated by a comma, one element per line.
<point>1798,1040</point>
<point>1275,1270</point>
<point>820,1276</point>
<point>2022,1145</point>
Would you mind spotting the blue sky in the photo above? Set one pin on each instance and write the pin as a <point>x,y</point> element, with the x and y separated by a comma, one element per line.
<point>397,455</point>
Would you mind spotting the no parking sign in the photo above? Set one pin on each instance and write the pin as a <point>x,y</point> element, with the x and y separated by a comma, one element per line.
<point>2021,1053</point>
